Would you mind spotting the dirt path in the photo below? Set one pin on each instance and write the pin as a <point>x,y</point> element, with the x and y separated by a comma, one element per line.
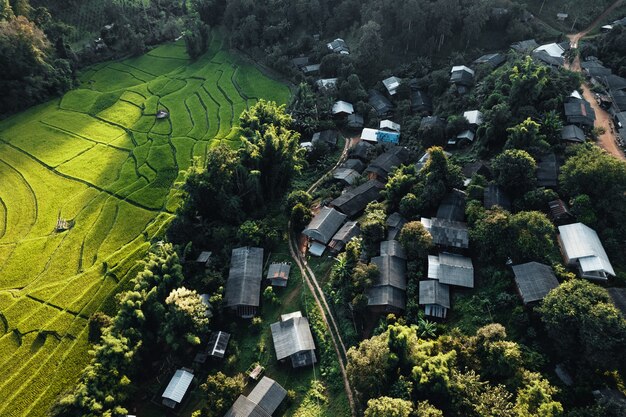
<point>608,140</point>
<point>298,254</point>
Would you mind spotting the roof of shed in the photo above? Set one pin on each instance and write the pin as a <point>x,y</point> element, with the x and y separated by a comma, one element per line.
<point>494,195</point>
<point>178,385</point>
<point>452,206</point>
<point>324,225</point>
<point>434,292</point>
<point>534,280</point>
<point>451,269</point>
<point>582,243</point>
<point>244,278</point>
<point>291,336</point>
<point>447,232</point>
<point>355,200</point>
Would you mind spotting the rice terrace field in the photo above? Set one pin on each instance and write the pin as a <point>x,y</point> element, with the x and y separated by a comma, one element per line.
<point>99,159</point>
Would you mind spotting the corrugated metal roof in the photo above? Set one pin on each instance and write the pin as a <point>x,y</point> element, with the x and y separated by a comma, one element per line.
<point>342,107</point>
<point>218,342</point>
<point>474,117</point>
<point>388,124</point>
<point>392,271</point>
<point>268,394</point>
<point>355,200</point>
<point>291,336</point>
<point>582,243</point>
<point>386,296</point>
<point>446,232</point>
<point>452,206</point>
<point>451,269</point>
<point>244,278</point>
<point>178,385</point>
<point>493,195</point>
<point>433,292</point>
<point>324,225</point>
<point>534,280</point>
<point>392,248</point>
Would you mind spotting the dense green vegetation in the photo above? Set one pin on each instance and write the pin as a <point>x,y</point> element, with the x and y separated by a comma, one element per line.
<point>98,157</point>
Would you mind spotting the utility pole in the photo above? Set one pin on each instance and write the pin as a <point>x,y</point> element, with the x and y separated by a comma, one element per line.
<point>574,24</point>
<point>541,8</point>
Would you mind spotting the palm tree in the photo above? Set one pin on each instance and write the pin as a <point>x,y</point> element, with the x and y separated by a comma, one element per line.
<point>426,329</point>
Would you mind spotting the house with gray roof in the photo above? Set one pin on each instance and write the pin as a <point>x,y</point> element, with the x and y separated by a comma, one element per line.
<point>384,164</point>
<point>547,170</point>
<point>395,222</point>
<point>354,201</point>
<point>525,47</point>
<point>328,137</point>
<point>388,292</point>
<point>534,281</point>
<point>420,101</point>
<point>204,258</point>
<point>362,150</point>
<point>177,387</point>
<point>618,296</point>
<point>278,274</point>
<point>293,340</point>
<point>435,297</point>
<point>243,285</point>
<point>447,233</point>
<point>493,60</point>
<point>349,171</point>
<point>342,108</point>
<point>579,112</point>
<point>451,269</point>
<point>462,75</point>
<point>355,121</point>
<point>323,227</point>
<point>339,46</point>
<point>572,134</point>
<point>339,241</point>
<point>494,195</point>
<point>581,248</point>
<point>263,401</point>
<point>392,84</point>
<point>380,103</point>
<point>452,206</point>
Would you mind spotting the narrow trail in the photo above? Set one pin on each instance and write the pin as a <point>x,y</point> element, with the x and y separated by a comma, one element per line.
<point>311,280</point>
<point>608,140</point>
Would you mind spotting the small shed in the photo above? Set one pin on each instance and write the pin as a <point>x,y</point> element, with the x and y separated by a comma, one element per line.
<point>362,150</point>
<point>380,103</point>
<point>494,60</point>
<point>581,248</point>
<point>395,222</point>
<point>561,17</point>
<point>451,269</point>
<point>339,46</point>
<point>278,274</point>
<point>262,401</point>
<point>204,258</point>
<point>462,75</point>
<point>435,297</point>
<point>328,137</point>
<point>162,114</point>
<point>573,134</point>
<point>389,126</point>
<point>534,281</point>
<point>547,170</point>
<point>384,164</point>
<point>177,388</point>
<point>218,342</point>
<point>355,121</point>
<point>293,339</point>
<point>420,101</point>
<point>452,206</point>
<point>474,118</point>
<point>311,69</point>
<point>559,211</point>
<point>392,84</point>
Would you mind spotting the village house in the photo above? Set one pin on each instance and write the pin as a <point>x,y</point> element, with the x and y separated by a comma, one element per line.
<point>389,126</point>
<point>380,103</point>
<point>384,164</point>
<point>581,248</point>
<point>349,230</point>
<point>435,297</point>
<point>572,134</point>
<point>329,137</point>
<point>379,136</point>
<point>559,211</point>
<point>447,233</point>
<point>278,274</point>
<point>420,101</point>
<point>262,401</point>
<point>355,121</point>
<point>579,112</point>
<point>354,201</point>
<point>349,171</point>
<point>243,285</point>
<point>177,388</point>
<point>452,207</point>
<point>462,77</point>
<point>494,60</point>
<point>395,222</point>
<point>339,46</point>
<point>388,292</point>
<point>342,108</point>
<point>293,340</point>
<point>322,228</point>
<point>494,195</point>
<point>547,170</point>
<point>534,281</point>
<point>451,269</point>
<point>391,85</point>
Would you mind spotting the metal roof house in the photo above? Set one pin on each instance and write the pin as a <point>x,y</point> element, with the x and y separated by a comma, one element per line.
<point>326,83</point>
<point>380,103</point>
<point>547,170</point>
<point>462,75</point>
<point>388,293</point>
<point>343,236</point>
<point>435,297</point>
<point>216,347</point>
<point>389,125</point>
<point>384,164</point>
<point>177,388</point>
<point>579,112</point>
<point>420,101</point>
<point>204,258</point>
<point>339,46</point>
<point>572,133</point>
<point>494,195</point>
<point>581,247</point>
<point>534,281</point>
<point>379,136</point>
<point>263,401</point>
<point>447,232</point>
<point>278,274</point>
<point>293,339</point>
<point>474,117</point>
<point>392,84</point>
<point>342,108</point>
<point>525,46</point>
<point>451,269</point>
<point>354,201</point>
<point>349,171</point>
<point>324,225</point>
<point>355,121</point>
<point>618,295</point>
<point>452,206</point>
<point>495,60</point>
<point>326,136</point>
<point>395,222</point>
<point>362,151</point>
<point>243,286</point>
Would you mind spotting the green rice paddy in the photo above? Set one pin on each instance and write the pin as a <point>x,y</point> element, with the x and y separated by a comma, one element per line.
<point>98,157</point>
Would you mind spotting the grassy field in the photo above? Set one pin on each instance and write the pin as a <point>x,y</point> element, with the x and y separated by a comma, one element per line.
<point>99,158</point>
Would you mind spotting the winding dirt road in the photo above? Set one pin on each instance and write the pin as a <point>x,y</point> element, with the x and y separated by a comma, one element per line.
<point>311,280</point>
<point>608,140</point>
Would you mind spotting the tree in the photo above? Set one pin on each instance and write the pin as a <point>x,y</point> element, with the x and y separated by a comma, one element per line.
<point>514,170</point>
<point>527,136</point>
<point>425,409</point>
<point>369,46</point>
<point>300,216</point>
<point>415,240</point>
<point>186,319</point>
<point>399,184</point>
<point>373,227</point>
<point>263,115</point>
<point>585,326</point>
<point>534,399</point>
<point>97,323</point>
<point>221,392</point>
<point>388,407</point>
<point>488,229</point>
<point>437,178</point>
<point>534,236</point>
<point>298,197</point>
<point>369,366</point>
<point>196,36</point>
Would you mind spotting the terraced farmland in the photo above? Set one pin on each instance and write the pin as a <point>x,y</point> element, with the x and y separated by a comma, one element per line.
<point>99,159</point>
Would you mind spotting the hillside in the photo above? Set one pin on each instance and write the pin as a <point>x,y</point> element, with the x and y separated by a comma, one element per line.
<point>99,159</point>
